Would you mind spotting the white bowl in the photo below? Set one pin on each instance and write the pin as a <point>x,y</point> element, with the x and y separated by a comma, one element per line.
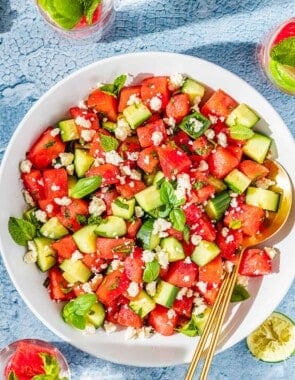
<point>243,318</point>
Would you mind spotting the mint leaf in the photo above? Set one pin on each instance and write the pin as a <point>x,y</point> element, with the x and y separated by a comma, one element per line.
<point>167,193</point>
<point>21,230</point>
<point>115,87</point>
<point>74,312</point>
<point>178,219</point>
<point>284,52</point>
<point>108,143</point>
<point>85,186</point>
<point>151,271</point>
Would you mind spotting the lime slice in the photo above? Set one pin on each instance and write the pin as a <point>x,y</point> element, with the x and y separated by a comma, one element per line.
<point>282,75</point>
<point>274,340</point>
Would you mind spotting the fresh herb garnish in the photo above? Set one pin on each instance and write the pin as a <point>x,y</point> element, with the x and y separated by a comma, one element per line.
<point>151,271</point>
<point>239,294</point>
<point>284,52</point>
<point>75,311</point>
<point>85,186</point>
<point>115,88</point>
<point>21,230</point>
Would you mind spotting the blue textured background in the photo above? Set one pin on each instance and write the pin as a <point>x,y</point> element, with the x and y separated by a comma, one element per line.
<point>33,58</point>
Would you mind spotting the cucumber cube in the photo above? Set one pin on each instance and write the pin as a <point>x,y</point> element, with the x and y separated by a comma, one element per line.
<point>124,208</point>
<point>96,315</point>
<point>205,252</point>
<point>82,161</point>
<point>237,181</point>
<point>257,147</point>
<point>174,249</point>
<point>68,130</point>
<point>85,238</point>
<point>216,207</point>
<point>76,269</point>
<point>195,124</point>
<point>46,255</point>
<point>242,115</point>
<point>149,198</point>
<point>143,304</point>
<point>53,229</point>
<point>136,114</point>
<point>265,199</point>
<point>194,90</point>
<point>148,239</point>
<point>165,294</point>
<point>111,227</point>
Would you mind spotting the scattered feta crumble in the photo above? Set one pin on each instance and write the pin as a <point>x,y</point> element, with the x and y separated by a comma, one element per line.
<point>202,286</point>
<point>148,256</point>
<point>141,333</point>
<point>196,124</point>
<point>87,134</point>
<point>210,134</point>
<point>30,256</point>
<point>222,139</point>
<point>161,226</point>
<point>177,80</point>
<point>157,138</point>
<point>228,266</point>
<point>96,206</point>
<point>133,99</point>
<point>272,252</point>
<point>25,166</point>
<point>155,103</point>
<point>138,211</point>
<point>203,166</point>
<point>54,132</point>
<point>133,289</point>
<point>28,198</point>
<point>151,288</point>
<point>264,183</point>
<point>41,216</point>
<point>196,239</point>
<point>64,201</point>
<point>113,157</point>
<point>109,327</point>
<point>123,130</point>
<point>82,122</point>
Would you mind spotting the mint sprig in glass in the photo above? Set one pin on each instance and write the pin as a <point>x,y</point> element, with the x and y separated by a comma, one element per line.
<point>78,18</point>
<point>277,56</point>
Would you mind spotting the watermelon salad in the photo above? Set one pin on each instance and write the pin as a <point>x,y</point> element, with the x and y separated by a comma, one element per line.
<point>139,201</point>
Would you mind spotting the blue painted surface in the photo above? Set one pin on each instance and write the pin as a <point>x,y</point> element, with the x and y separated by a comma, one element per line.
<point>33,58</point>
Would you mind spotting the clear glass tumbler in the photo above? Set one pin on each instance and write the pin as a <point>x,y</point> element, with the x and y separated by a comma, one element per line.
<point>102,20</point>
<point>276,56</point>
<point>7,354</point>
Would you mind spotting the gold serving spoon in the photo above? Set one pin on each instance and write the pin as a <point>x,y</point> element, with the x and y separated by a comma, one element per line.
<point>273,223</point>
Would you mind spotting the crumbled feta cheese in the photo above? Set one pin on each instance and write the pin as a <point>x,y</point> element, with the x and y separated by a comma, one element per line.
<point>98,161</point>
<point>131,333</point>
<point>272,252</point>
<point>264,183</point>
<point>203,166</point>
<point>171,122</point>
<point>186,278</point>
<point>196,124</point>
<point>177,80</point>
<point>89,329</point>
<point>76,255</point>
<point>87,134</point>
<point>234,203</point>
<point>135,174</point>
<point>148,256</point>
<point>198,301</point>
<point>146,160</point>
<point>54,132</point>
<point>199,309</point>
<point>145,332</point>
<point>55,187</point>
<point>163,258</point>
<point>41,216</point>
<point>82,122</point>
<point>115,264</point>
<point>87,287</point>
<point>132,156</point>
<point>109,327</point>
<point>151,288</point>
<point>182,292</point>
<point>228,266</point>
<point>155,103</point>
<point>123,130</point>
<point>160,226</point>
<point>202,286</point>
<point>213,118</point>
<point>138,211</point>
<point>70,169</point>
<point>188,260</point>
<point>25,166</point>
<point>171,314</point>
<point>96,206</point>
<point>224,231</point>
<point>64,201</point>
<point>133,289</point>
<point>183,186</point>
<point>133,99</point>
<point>222,139</point>
<point>157,137</point>
<point>30,257</point>
<point>66,158</point>
<point>229,238</point>
<point>210,134</point>
<point>113,157</point>
<point>196,239</point>
<point>28,198</point>
<point>49,208</point>
<point>82,104</point>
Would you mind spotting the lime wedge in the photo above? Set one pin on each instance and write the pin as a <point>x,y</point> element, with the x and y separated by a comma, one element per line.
<point>274,340</point>
<point>282,75</point>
